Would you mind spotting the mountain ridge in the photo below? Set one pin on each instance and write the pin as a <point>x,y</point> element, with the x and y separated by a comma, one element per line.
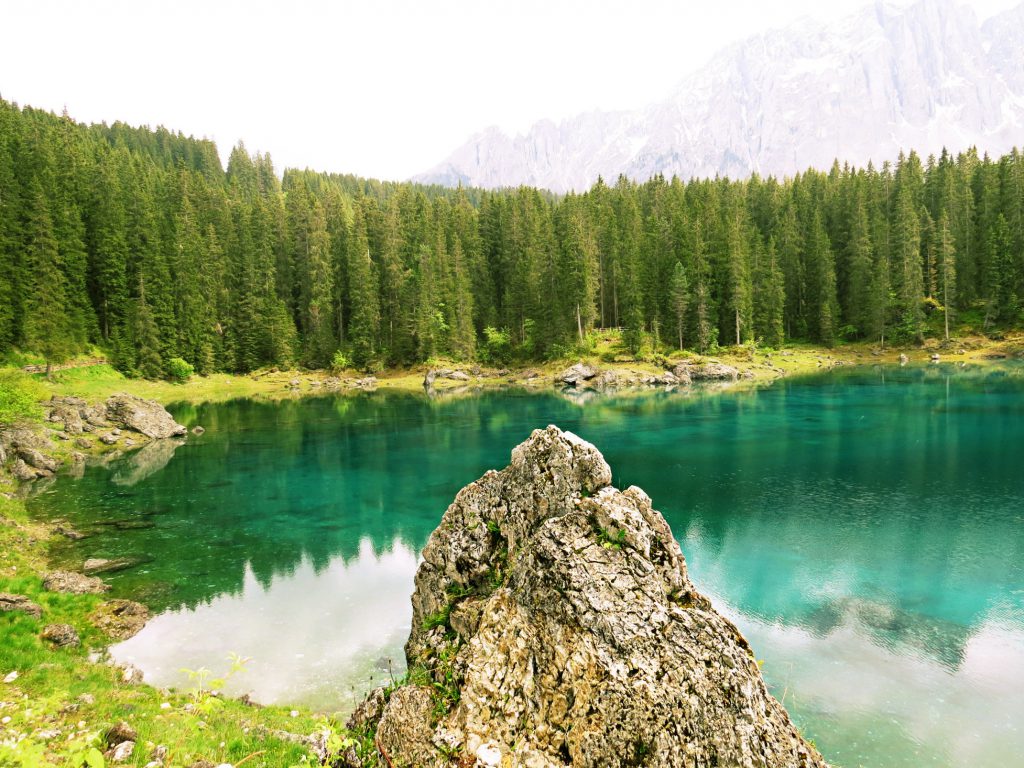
<point>925,76</point>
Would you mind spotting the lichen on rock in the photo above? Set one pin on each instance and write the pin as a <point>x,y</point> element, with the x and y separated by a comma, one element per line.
<point>554,624</point>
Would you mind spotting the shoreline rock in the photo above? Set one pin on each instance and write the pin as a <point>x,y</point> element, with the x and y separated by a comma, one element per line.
<point>554,624</point>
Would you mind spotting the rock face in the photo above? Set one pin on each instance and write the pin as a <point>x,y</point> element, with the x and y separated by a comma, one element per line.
<point>144,416</point>
<point>554,624</point>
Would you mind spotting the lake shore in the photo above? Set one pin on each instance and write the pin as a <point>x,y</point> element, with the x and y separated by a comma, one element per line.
<point>757,366</point>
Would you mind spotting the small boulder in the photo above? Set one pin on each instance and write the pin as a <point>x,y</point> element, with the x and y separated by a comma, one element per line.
<point>61,635</point>
<point>83,443</point>
<point>19,604</point>
<point>935,357</point>
<point>198,430</point>
<point>108,439</point>
<point>577,374</point>
<point>122,753</point>
<point>71,583</point>
<point>904,359</point>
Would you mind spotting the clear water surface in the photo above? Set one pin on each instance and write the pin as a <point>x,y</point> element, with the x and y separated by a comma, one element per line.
<point>864,528</point>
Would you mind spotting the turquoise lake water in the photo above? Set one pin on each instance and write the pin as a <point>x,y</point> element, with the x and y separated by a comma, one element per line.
<point>864,529</point>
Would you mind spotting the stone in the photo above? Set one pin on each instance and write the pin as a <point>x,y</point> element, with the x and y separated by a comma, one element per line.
<point>108,439</point>
<point>198,430</point>
<point>904,359</point>
<point>19,604</point>
<point>120,619</point>
<point>70,416</point>
<point>83,443</point>
<point>61,635</point>
<point>121,753</point>
<point>577,374</point>
<point>369,382</point>
<point>10,677</point>
<point>935,357</point>
<point>73,583</point>
<point>556,624</point>
<point>121,733</point>
<point>146,417</point>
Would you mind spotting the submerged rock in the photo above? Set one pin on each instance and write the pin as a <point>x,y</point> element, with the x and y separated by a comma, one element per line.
<point>146,417</point>
<point>104,565</point>
<point>554,624</point>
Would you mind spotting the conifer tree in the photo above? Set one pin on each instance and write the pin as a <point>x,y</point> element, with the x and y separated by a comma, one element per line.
<point>679,291</point>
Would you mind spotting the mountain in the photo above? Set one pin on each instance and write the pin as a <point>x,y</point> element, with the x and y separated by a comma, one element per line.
<point>924,77</point>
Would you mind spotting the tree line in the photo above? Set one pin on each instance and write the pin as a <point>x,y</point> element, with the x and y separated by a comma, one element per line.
<point>140,242</point>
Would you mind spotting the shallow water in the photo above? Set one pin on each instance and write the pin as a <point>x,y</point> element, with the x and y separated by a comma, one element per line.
<point>863,528</point>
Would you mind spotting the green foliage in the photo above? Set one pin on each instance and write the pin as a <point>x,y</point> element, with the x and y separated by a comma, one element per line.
<point>179,370</point>
<point>139,242</point>
<point>339,362</point>
<point>20,396</point>
<point>608,540</point>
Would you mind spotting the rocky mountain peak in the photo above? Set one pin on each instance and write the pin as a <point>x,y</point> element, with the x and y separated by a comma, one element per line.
<point>885,79</point>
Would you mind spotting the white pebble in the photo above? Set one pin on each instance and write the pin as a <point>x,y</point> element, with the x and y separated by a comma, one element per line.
<point>11,677</point>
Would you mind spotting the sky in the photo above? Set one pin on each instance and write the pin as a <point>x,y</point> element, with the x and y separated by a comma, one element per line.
<point>380,88</point>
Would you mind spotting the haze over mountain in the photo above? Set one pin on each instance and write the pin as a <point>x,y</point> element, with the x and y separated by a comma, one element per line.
<point>888,78</point>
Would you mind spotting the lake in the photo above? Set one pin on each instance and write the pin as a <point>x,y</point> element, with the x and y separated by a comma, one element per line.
<point>864,528</point>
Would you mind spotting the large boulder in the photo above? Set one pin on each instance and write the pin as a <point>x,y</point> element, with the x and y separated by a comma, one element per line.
<point>144,416</point>
<point>554,624</point>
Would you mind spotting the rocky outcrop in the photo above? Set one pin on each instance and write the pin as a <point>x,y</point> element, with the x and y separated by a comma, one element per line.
<point>554,624</point>
<point>146,417</point>
<point>31,453</point>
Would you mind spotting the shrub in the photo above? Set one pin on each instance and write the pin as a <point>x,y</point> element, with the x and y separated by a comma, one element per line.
<point>340,362</point>
<point>179,370</point>
<point>19,398</point>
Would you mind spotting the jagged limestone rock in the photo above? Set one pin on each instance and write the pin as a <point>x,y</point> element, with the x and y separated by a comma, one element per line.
<point>554,624</point>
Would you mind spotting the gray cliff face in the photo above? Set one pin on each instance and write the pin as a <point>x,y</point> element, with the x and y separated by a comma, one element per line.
<point>883,80</point>
<point>555,624</point>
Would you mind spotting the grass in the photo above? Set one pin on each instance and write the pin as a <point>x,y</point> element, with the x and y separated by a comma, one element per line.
<point>61,703</point>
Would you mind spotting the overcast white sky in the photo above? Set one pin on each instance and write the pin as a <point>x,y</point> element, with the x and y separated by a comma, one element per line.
<point>383,88</point>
